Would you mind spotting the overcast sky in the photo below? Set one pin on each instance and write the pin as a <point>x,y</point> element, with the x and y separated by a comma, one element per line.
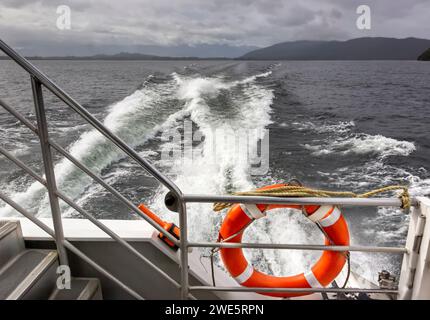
<point>107,26</point>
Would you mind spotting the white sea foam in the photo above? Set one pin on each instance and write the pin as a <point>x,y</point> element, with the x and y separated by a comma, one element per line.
<point>225,174</point>
<point>339,127</point>
<point>135,119</point>
<point>386,226</point>
<point>343,141</point>
<point>208,172</point>
<point>20,145</point>
<point>127,119</point>
<point>363,144</point>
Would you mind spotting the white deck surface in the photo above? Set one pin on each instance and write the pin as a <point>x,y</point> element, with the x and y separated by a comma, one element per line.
<point>81,229</point>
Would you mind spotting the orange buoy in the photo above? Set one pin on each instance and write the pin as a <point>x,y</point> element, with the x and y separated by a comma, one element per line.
<point>170,227</point>
<point>322,273</point>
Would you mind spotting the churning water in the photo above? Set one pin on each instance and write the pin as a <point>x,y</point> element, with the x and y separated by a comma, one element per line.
<point>333,125</point>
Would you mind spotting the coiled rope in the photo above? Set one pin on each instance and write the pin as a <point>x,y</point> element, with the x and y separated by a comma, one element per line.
<point>296,191</point>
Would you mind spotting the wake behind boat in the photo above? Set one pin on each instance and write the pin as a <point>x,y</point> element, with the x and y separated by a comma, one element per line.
<point>140,263</point>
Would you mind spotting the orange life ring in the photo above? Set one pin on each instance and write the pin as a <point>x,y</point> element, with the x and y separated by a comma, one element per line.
<point>323,272</point>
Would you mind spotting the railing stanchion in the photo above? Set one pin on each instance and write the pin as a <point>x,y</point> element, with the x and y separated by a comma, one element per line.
<point>42,128</point>
<point>184,249</point>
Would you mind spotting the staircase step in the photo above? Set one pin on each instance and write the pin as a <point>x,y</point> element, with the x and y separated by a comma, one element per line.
<point>30,275</point>
<point>11,241</point>
<point>81,289</point>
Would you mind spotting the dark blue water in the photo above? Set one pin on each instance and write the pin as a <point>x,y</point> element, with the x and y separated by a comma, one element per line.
<point>334,125</point>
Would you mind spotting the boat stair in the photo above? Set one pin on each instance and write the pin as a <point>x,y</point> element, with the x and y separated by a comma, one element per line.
<point>27,273</point>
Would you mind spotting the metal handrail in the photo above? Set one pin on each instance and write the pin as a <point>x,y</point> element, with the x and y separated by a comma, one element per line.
<point>310,247</point>
<point>72,204</point>
<point>363,202</point>
<point>62,95</point>
<point>38,79</point>
<point>82,211</point>
<point>293,290</point>
<point>67,244</point>
<point>81,166</point>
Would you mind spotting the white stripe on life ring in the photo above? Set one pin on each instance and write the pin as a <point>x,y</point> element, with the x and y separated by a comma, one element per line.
<point>252,211</point>
<point>312,280</point>
<point>245,275</point>
<point>331,219</point>
<point>320,213</point>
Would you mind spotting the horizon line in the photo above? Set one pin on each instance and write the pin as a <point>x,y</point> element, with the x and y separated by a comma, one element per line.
<point>106,56</point>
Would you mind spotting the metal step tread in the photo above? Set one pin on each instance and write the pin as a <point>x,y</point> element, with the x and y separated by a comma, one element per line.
<point>22,272</point>
<point>6,227</point>
<point>11,241</point>
<point>80,289</point>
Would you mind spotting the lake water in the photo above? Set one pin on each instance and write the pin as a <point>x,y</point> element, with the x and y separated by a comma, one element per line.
<point>332,125</point>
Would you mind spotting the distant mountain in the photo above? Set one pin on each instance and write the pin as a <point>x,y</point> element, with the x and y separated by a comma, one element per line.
<point>199,50</point>
<point>125,56</point>
<point>425,56</point>
<point>45,48</point>
<point>356,49</point>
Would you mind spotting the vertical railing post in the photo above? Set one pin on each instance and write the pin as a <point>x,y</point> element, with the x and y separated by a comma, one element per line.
<point>415,273</point>
<point>184,249</point>
<point>48,164</point>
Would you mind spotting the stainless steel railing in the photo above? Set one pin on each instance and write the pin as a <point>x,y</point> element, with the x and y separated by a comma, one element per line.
<point>386,202</point>
<point>39,80</point>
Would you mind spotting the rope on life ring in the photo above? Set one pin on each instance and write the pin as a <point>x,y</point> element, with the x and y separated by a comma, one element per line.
<point>329,219</point>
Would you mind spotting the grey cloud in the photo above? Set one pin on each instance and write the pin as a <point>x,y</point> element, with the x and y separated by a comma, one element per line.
<point>15,3</point>
<point>143,23</point>
<point>78,5</point>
